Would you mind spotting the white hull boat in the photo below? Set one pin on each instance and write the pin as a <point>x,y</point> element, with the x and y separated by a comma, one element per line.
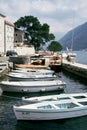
<point>26,77</point>
<point>33,71</point>
<point>32,86</point>
<point>52,110</point>
<point>54,97</point>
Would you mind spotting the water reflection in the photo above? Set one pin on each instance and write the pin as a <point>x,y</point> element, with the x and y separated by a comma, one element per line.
<point>69,124</point>
<point>7,100</point>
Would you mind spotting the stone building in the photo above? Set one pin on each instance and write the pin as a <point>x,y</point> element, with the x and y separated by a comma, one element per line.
<point>9,36</point>
<point>18,37</point>
<point>20,41</point>
<point>6,35</point>
<point>2,43</point>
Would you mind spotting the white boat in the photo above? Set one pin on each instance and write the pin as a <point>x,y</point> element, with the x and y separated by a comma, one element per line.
<point>69,56</point>
<point>33,71</point>
<point>32,86</point>
<point>54,97</point>
<point>53,110</point>
<point>25,77</point>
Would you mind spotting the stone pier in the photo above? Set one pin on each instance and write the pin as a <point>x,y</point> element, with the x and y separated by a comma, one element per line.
<point>75,68</point>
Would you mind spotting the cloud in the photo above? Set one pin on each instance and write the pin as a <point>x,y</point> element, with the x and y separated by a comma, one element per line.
<point>44,6</point>
<point>60,15</point>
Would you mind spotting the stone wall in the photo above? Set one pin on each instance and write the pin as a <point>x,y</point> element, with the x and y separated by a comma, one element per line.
<point>25,50</point>
<point>19,59</point>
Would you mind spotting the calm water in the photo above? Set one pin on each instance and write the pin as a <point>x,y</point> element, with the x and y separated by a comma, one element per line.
<point>74,85</point>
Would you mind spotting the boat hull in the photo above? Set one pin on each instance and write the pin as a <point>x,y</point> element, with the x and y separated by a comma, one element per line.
<point>30,79</point>
<point>32,87</point>
<point>64,107</point>
<point>34,71</point>
<point>25,77</point>
<point>59,97</point>
<point>48,115</point>
<point>31,66</point>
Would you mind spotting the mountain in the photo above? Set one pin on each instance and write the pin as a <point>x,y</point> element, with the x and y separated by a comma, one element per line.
<point>79,38</point>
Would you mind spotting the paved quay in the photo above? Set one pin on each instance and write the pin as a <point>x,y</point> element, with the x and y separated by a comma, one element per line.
<point>75,68</point>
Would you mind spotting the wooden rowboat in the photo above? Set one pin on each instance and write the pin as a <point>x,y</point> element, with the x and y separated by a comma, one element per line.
<point>31,66</point>
<point>70,107</point>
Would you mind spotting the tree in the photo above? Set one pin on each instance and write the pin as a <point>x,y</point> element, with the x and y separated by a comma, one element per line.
<point>37,34</point>
<point>54,46</point>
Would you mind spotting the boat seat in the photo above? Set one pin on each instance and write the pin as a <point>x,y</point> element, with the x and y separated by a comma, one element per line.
<point>55,98</point>
<point>56,107</point>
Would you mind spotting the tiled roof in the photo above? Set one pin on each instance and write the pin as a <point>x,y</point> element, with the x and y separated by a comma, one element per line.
<point>21,29</point>
<point>9,23</point>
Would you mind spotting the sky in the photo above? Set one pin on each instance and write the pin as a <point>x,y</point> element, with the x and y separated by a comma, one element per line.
<point>60,15</point>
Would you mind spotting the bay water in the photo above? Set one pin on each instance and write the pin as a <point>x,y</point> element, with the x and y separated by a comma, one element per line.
<point>74,84</point>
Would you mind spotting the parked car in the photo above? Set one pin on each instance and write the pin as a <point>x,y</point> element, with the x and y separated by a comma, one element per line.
<point>11,53</point>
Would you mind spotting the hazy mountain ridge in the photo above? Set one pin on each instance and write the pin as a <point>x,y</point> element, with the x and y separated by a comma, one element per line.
<point>79,38</point>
